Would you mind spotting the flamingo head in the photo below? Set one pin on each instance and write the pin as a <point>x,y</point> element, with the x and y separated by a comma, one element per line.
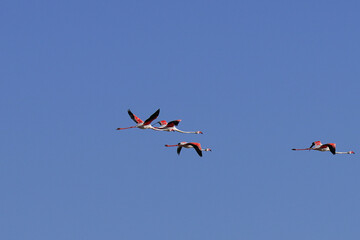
<point>199,132</point>
<point>207,150</point>
<point>351,152</point>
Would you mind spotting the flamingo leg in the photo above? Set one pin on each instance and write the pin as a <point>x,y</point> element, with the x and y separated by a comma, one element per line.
<point>302,149</point>
<point>125,128</point>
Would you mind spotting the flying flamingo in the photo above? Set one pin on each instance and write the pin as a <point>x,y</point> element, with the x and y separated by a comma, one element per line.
<point>197,147</point>
<point>140,123</point>
<point>171,127</point>
<point>324,147</point>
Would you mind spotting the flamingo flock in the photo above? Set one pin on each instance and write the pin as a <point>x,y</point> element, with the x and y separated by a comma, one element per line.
<point>168,127</point>
<point>172,127</point>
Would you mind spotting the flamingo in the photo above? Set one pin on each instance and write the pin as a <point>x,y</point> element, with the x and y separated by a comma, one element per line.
<point>197,147</point>
<point>140,123</point>
<point>317,145</point>
<point>171,127</point>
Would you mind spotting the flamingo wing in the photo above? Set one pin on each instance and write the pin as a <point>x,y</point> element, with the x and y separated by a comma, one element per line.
<point>135,118</point>
<point>152,117</point>
<point>162,123</point>
<point>178,150</point>
<point>197,148</point>
<point>173,123</point>
<point>331,148</point>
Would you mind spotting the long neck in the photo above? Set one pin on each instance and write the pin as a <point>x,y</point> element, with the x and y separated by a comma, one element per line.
<point>343,152</point>
<point>184,131</point>
<point>157,129</point>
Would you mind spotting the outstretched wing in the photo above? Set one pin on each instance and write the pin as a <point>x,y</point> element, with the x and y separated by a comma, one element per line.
<point>178,150</point>
<point>197,148</point>
<point>162,123</point>
<point>135,118</point>
<point>152,117</point>
<point>173,123</point>
<point>331,148</point>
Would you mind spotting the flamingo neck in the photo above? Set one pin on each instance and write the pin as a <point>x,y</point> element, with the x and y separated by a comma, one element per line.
<point>178,130</point>
<point>350,152</point>
<point>161,129</point>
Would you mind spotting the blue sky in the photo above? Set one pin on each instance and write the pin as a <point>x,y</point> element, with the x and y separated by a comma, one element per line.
<point>257,77</point>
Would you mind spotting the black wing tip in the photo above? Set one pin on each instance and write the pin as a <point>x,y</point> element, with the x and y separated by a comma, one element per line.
<point>132,116</point>
<point>155,114</point>
<point>178,150</point>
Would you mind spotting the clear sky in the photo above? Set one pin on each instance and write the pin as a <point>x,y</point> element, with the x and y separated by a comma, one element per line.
<point>257,77</point>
